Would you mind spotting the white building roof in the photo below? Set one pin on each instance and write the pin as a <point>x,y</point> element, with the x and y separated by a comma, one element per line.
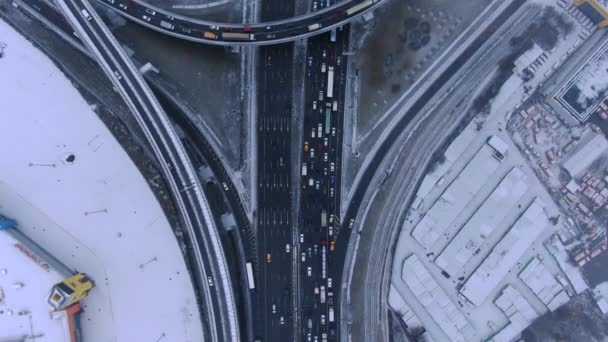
<point>506,253</point>
<point>456,197</point>
<point>520,313</point>
<point>573,273</point>
<point>498,144</point>
<point>435,301</point>
<point>25,283</point>
<point>544,285</point>
<point>484,222</point>
<point>589,148</point>
<point>98,213</point>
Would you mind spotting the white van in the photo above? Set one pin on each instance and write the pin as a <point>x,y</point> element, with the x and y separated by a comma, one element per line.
<point>85,14</point>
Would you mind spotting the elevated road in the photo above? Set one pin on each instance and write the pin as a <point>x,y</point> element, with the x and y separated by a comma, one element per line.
<point>271,32</point>
<point>209,264</point>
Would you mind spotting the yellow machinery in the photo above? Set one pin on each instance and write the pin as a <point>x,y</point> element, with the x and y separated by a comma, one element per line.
<point>70,291</point>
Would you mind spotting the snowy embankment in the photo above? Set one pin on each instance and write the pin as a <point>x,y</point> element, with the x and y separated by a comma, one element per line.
<point>74,190</point>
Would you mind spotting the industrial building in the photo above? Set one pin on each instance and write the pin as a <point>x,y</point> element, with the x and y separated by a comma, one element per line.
<point>506,253</point>
<point>545,286</point>
<point>435,301</point>
<point>39,297</point>
<point>459,193</point>
<point>588,149</point>
<point>483,223</point>
<point>595,10</point>
<point>519,312</point>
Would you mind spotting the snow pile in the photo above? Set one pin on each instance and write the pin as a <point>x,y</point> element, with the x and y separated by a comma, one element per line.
<point>73,190</point>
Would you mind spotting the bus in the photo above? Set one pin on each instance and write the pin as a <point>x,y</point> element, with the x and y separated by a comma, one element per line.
<point>238,36</point>
<point>359,7</point>
<point>327,120</point>
<point>323,218</point>
<point>250,276</point>
<point>323,262</point>
<point>330,81</point>
<point>322,294</point>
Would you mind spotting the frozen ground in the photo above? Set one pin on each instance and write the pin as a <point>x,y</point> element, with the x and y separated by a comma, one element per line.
<point>95,213</point>
<point>387,61</point>
<point>206,79</point>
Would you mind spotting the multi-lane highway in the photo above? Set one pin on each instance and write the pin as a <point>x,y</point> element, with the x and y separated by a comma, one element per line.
<point>320,170</point>
<point>275,224</point>
<point>210,270</point>
<point>269,31</point>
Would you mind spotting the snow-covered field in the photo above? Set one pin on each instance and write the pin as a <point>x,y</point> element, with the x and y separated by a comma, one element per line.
<point>73,190</point>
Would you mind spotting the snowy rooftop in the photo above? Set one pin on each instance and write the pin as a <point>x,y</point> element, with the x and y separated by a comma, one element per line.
<point>486,219</point>
<point>520,313</point>
<point>24,287</point>
<point>573,273</point>
<point>544,285</point>
<point>589,148</point>
<point>97,213</point>
<point>456,197</point>
<point>506,253</point>
<point>436,301</point>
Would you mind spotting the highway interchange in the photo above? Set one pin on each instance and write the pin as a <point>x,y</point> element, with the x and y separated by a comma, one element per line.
<point>278,247</point>
<point>271,30</point>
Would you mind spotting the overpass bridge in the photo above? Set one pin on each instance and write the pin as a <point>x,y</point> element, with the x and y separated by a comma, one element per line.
<point>217,33</point>
<point>210,273</point>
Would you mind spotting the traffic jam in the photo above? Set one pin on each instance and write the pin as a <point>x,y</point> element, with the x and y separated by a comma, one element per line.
<point>320,168</point>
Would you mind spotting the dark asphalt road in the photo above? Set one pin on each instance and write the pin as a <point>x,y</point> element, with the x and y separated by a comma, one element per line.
<point>274,308</point>
<point>320,186</point>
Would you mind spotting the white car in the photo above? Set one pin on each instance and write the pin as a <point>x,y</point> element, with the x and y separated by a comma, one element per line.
<point>309,271</point>
<point>332,167</point>
<point>325,156</point>
<point>287,248</point>
<point>331,228</point>
<point>323,319</point>
<point>210,281</point>
<point>317,185</point>
<point>282,320</point>
<point>214,27</point>
<point>312,153</point>
<point>324,53</point>
<point>301,238</point>
<point>150,11</point>
<point>303,256</point>
<point>313,133</point>
<point>146,18</point>
<point>274,308</point>
<point>329,283</point>
<point>225,185</point>
<point>333,131</point>
<point>325,142</point>
<point>117,74</point>
<point>314,105</point>
<point>122,7</point>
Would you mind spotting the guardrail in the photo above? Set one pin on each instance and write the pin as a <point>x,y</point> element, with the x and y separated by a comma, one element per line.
<point>175,164</point>
<point>218,33</point>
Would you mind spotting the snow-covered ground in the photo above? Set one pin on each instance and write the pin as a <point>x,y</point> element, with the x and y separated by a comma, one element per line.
<point>96,213</point>
<point>485,318</point>
<point>24,287</point>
